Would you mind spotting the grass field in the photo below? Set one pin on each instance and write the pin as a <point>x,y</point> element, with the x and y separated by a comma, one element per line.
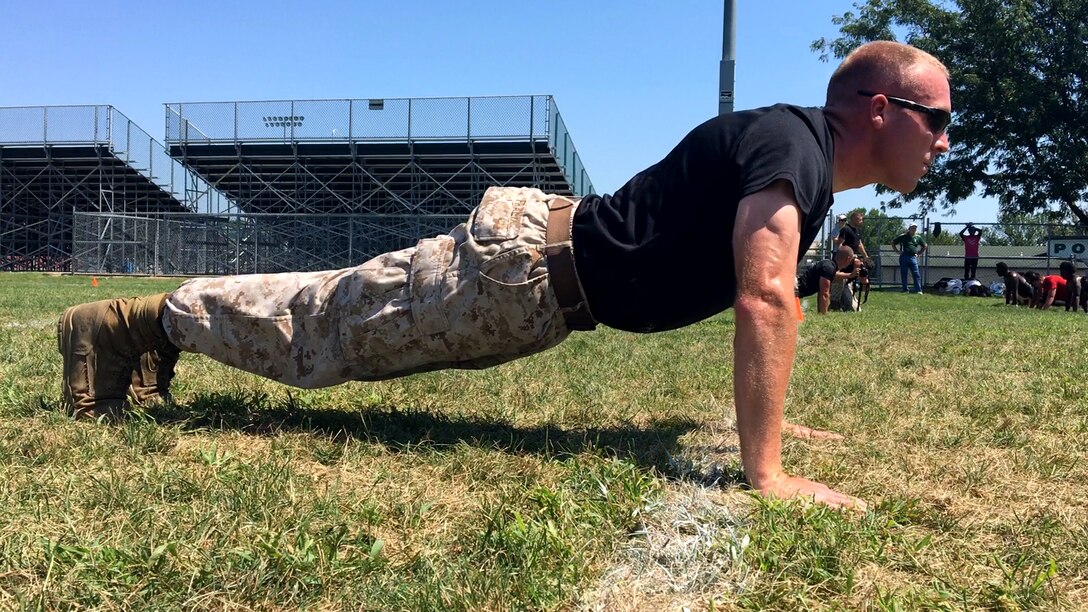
<point>600,475</point>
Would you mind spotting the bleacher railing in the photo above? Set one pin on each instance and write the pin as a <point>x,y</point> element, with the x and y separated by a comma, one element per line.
<point>464,119</point>
<point>104,125</point>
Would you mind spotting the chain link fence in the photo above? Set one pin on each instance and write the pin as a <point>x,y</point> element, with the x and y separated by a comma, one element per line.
<point>1022,246</point>
<point>199,245</point>
<point>223,244</point>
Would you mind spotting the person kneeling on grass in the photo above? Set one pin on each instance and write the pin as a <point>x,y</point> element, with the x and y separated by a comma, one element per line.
<point>720,222</point>
<point>817,279</point>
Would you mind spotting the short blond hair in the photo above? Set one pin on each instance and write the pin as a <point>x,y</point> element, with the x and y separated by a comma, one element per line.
<point>882,65</point>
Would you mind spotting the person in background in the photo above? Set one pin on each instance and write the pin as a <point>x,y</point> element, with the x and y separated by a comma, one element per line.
<point>1050,290</point>
<point>910,245</point>
<point>817,278</point>
<point>971,236</point>
<point>850,234</point>
<point>1068,271</point>
<point>836,242</point>
<point>1018,290</point>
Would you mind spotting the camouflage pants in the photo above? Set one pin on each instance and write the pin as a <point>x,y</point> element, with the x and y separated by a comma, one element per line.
<point>476,297</point>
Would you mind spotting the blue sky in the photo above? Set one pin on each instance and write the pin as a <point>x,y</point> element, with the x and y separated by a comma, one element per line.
<point>630,77</point>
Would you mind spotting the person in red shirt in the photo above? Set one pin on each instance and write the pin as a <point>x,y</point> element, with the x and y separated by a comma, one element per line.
<point>971,236</point>
<point>1050,290</point>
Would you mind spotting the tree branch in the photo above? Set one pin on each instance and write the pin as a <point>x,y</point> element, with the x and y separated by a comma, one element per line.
<point>1080,213</point>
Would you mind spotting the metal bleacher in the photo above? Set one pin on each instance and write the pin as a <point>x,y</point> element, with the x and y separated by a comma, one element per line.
<point>57,162</point>
<point>252,187</point>
<point>330,183</point>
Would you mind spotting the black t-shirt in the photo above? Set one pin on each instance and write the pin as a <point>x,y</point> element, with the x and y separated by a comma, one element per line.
<point>851,237</point>
<point>658,253</point>
<point>808,282</point>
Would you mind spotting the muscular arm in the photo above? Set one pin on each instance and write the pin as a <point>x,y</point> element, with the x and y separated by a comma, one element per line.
<point>1050,295</point>
<point>845,276</point>
<point>765,243</point>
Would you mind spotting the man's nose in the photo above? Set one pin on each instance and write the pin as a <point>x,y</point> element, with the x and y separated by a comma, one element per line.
<point>941,146</point>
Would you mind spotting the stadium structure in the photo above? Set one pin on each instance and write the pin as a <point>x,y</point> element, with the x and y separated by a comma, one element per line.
<point>57,162</point>
<point>270,186</point>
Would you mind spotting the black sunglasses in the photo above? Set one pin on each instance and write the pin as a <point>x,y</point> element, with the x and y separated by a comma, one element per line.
<point>936,118</point>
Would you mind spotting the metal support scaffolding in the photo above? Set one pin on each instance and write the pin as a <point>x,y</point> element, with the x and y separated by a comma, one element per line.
<point>57,160</point>
<point>264,186</point>
<point>385,162</point>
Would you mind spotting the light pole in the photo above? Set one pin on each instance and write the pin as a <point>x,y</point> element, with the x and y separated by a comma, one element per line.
<point>727,68</point>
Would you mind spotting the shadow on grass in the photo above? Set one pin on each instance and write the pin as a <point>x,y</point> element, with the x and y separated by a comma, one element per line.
<point>399,428</point>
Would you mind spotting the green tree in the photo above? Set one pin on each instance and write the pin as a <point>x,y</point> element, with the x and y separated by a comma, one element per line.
<point>945,238</point>
<point>1019,92</point>
<point>880,229</point>
<point>1018,229</point>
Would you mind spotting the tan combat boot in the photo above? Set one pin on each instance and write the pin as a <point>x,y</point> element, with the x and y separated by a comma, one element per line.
<point>151,378</point>
<point>101,344</point>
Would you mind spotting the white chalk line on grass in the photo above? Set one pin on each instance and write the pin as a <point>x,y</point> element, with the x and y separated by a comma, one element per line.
<point>687,550</point>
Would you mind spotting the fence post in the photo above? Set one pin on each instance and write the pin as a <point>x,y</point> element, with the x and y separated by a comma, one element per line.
<point>925,270</point>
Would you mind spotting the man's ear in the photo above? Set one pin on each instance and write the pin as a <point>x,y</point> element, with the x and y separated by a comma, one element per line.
<point>876,112</point>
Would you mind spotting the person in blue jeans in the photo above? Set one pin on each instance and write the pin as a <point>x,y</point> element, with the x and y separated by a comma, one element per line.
<point>909,246</point>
